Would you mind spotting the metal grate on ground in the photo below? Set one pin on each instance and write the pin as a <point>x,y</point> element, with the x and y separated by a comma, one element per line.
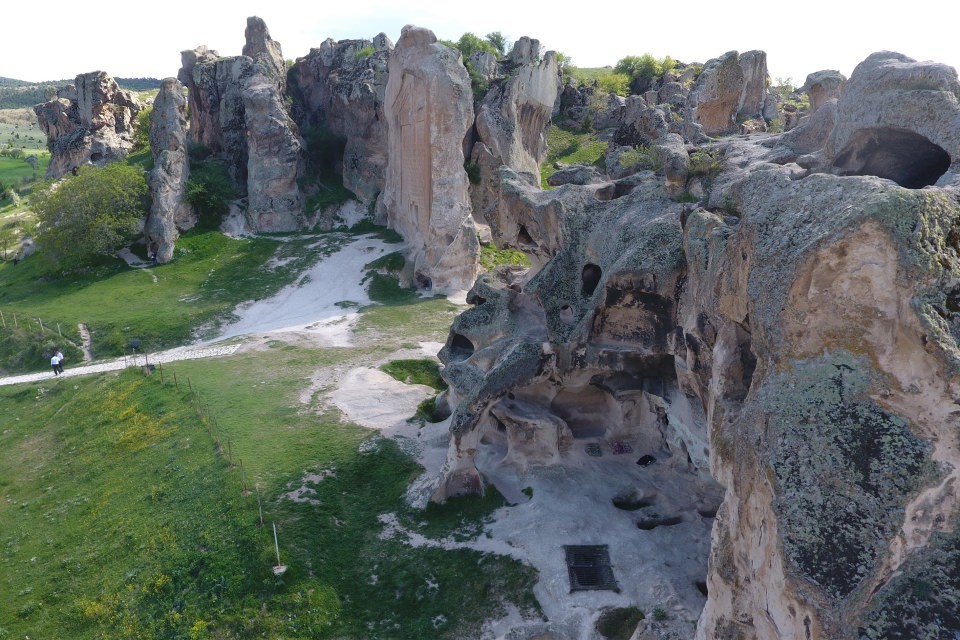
<point>589,568</point>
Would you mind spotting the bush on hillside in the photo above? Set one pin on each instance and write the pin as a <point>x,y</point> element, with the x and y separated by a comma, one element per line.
<point>90,215</point>
<point>643,69</point>
<point>209,192</point>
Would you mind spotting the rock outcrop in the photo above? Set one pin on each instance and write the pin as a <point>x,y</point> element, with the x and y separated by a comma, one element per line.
<point>237,113</point>
<point>822,86</point>
<point>729,87</point>
<point>794,336</point>
<point>338,90</point>
<point>429,110</point>
<point>94,122</point>
<point>169,213</point>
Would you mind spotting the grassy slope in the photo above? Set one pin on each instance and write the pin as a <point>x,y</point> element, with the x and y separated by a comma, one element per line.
<point>172,508</point>
<point>569,145</point>
<point>14,171</point>
<point>208,277</point>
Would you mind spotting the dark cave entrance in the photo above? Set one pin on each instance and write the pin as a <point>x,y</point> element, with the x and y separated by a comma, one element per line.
<point>906,157</point>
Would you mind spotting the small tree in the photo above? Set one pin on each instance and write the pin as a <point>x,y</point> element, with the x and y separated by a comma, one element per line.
<point>643,69</point>
<point>469,43</point>
<point>90,215</point>
<point>499,42</point>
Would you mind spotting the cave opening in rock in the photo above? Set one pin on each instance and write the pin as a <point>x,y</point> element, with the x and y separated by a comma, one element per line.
<point>906,157</point>
<point>524,238</point>
<point>96,157</point>
<point>590,278</point>
<point>460,348</point>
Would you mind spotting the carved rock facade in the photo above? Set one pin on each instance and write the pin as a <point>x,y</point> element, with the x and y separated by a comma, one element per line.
<point>429,110</point>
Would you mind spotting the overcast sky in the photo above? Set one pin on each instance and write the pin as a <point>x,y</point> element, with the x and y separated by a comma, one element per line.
<point>58,40</point>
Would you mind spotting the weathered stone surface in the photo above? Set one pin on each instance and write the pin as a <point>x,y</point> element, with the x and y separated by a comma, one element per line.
<point>525,50</point>
<point>168,180</point>
<point>729,86</point>
<point>823,86</point>
<point>94,122</point>
<point>237,112</point>
<point>797,342</point>
<point>813,131</point>
<point>576,174</point>
<point>429,109</point>
<point>513,117</point>
<point>338,88</point>
<point>265,51</point>
<point>275,158</point>
<point>898,119</point>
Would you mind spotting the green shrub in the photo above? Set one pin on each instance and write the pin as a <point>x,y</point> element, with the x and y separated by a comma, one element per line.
<point>141,139</point>
<point>473,171</point>
<point>470,43</point>
<point>478,84</point>
<point>491,257</point>
<point>90,215</point>
<point>209,192</point>
<point>643,69</point>
<point>659,614</point>
<point>617,83</point>
<point>703,163</point>
<point>363,54</point>
<point>421,371</point>
<point>641,157</point>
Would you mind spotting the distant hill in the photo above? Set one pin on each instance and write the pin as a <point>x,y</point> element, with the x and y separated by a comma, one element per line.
<point>19,94</point>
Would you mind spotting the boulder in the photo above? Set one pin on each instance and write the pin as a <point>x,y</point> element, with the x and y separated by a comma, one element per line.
<point>822,86</point>
<point>576,174</point>
<point>525,50</point>
<point>729,86</point>
<point>169,213</point>
<point>94,122</point>
<point>428,108</point>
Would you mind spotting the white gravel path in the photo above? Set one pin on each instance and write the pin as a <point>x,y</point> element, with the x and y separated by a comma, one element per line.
<point>308,306</point>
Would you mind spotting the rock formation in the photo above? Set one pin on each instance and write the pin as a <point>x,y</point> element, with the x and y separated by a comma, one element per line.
<point>821,87</point>
<point>169,213</point>
<point>93,121</point>
<point>429,110</point>
<point>729,87</point>
<point>338,90</point>
<point>237,112</point>
<point>793,336</point>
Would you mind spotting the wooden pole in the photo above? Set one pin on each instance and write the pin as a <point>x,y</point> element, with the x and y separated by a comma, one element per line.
<point>243,477</point>
<point>14,319</point>
<point>189,385</point>
<point>259,506</point>
<point>175,381</point>
<point>229,451</point>
<point>58,330</point>
<point>160,366</point>
<point>2,320</point>
<point>41,324</point>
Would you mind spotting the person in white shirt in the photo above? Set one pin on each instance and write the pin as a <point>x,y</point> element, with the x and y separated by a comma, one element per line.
<point>55,363</point>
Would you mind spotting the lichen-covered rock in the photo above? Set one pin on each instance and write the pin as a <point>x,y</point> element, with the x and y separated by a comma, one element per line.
<point>339,88</point>
<point>169,213</point>
<point>94,122</point>
<point>797,341</point>
<point>429,109</point>
<point>265,51</point>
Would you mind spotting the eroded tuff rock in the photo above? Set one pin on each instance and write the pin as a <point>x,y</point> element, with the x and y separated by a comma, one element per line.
<point>429,110</point>
<point>898,119</point>
<point>237,112</point>
<point>169,213</point>
<point>794,336</point>
<point>729,86</point>
<point>94,121</point>
<point>822,86</point>
<point>339,88</point>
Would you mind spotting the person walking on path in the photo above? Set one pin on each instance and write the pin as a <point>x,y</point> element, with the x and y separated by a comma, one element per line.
<point>55,363</point>
<point>59,357</point>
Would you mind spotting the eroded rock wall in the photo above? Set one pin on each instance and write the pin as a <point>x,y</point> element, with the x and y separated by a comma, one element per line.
<point>169,213</point>
<point>793,335</point>
<point>94,122</point>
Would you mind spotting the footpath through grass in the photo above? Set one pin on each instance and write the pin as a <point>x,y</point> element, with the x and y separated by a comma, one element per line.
<point>163,306</point>
<point>121,517</point>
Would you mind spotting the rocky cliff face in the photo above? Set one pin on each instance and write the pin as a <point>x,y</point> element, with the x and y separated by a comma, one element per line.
<point>93,121</point>
<point>338,89</point>
<point>169,213</point>
<point>429,110</point>
<point>793,337</point>
<point>237,112</point>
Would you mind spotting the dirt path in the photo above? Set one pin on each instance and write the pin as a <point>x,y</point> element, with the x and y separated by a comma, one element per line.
<point>85,342</point>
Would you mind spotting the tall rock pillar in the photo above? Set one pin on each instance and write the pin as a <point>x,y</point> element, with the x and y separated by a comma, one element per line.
<point>429,110</point>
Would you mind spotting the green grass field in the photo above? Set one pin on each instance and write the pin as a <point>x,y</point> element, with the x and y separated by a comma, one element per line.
<point>209,276</point>
<point>123,517</point>
<point>569,145</point>
<point>586,75</point>
<point>17,173</point>
<point>15,136</point>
